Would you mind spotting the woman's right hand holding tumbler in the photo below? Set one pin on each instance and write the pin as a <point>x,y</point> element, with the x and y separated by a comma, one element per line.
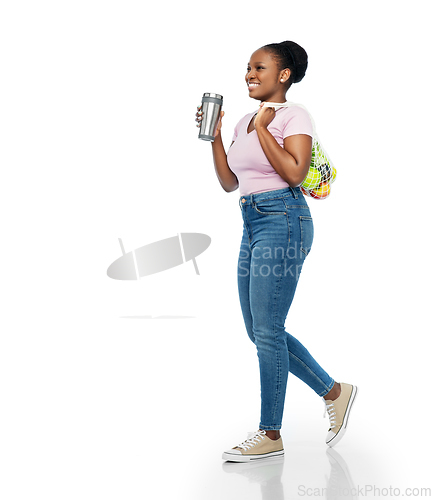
<point>199,117</point>
<point>226,177</point>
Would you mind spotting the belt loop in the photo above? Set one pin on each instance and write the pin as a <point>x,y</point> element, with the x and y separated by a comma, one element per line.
<point>294,192</point>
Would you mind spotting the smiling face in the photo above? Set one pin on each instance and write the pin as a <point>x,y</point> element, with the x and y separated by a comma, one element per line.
<point>264,79</point>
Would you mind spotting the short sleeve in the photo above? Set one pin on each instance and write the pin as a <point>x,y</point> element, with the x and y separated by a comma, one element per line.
<point>297,121</point>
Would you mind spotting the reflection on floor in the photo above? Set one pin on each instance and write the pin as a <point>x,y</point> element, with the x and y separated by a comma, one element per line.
<point>268,474</point>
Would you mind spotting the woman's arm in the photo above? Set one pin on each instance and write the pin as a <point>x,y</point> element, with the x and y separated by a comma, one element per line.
<point>227,178</point>
<point>293,160</point>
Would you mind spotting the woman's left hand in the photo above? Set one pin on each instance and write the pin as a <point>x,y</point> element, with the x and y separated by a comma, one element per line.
<point>264,117</point>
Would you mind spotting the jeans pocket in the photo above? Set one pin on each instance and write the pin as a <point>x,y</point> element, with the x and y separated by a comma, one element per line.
<point>306,233</point>
<point>270,207</point>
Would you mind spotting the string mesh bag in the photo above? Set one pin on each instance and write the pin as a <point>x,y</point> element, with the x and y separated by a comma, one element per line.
<point>321,173</point>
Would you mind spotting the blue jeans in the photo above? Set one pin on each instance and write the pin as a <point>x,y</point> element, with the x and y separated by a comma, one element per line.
<point>277,237</point>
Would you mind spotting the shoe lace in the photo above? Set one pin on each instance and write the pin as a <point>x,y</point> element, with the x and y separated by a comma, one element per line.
<point>330,409</point>
<point>252,439</point>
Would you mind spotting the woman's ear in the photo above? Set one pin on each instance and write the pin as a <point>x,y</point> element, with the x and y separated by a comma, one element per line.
<point>285,75</point>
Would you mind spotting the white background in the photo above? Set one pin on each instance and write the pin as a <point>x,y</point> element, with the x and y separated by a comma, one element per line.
<point>98,142</point>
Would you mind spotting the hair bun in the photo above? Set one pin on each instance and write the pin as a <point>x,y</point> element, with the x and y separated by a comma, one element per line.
<point>299,58</point>
<point>290,55</point>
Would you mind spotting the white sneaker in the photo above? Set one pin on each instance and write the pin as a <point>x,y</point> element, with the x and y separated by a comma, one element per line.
<point>339,411</point>
<point>256,447</point>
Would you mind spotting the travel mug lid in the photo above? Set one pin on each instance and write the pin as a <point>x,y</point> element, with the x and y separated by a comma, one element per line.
<point>210,94</point>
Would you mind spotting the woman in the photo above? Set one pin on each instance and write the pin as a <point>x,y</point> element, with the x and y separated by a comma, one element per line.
<point>268,159</point>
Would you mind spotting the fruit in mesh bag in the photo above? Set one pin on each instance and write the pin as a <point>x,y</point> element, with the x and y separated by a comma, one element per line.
<point>325,171</point>
<point>312,179</point>
<point>333,174</point>
<point>321,192</point>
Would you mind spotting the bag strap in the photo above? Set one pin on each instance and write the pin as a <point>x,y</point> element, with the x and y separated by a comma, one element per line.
<point>316,141</point>
<point>288,104</point>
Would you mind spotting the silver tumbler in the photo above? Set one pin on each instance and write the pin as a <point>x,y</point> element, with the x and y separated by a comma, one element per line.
<point>211,108</point>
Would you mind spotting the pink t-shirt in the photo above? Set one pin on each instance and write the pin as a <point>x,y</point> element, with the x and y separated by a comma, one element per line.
<point>247,159</point>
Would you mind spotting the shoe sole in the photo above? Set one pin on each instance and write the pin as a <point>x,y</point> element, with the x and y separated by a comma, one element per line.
<point>231,457</point>
<point>343,428</point>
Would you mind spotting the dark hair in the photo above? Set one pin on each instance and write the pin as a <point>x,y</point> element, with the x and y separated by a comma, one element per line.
<point>289,55</point>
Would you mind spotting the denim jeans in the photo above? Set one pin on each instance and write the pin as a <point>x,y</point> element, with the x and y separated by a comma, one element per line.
<point>277,237</point>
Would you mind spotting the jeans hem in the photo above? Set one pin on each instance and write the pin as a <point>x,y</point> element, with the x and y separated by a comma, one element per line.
<point>270,427</point>
<point>327,391</point>
<point>311,372</point>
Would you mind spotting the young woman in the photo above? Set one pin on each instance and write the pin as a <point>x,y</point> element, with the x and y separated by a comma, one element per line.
<point>268,159</point>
